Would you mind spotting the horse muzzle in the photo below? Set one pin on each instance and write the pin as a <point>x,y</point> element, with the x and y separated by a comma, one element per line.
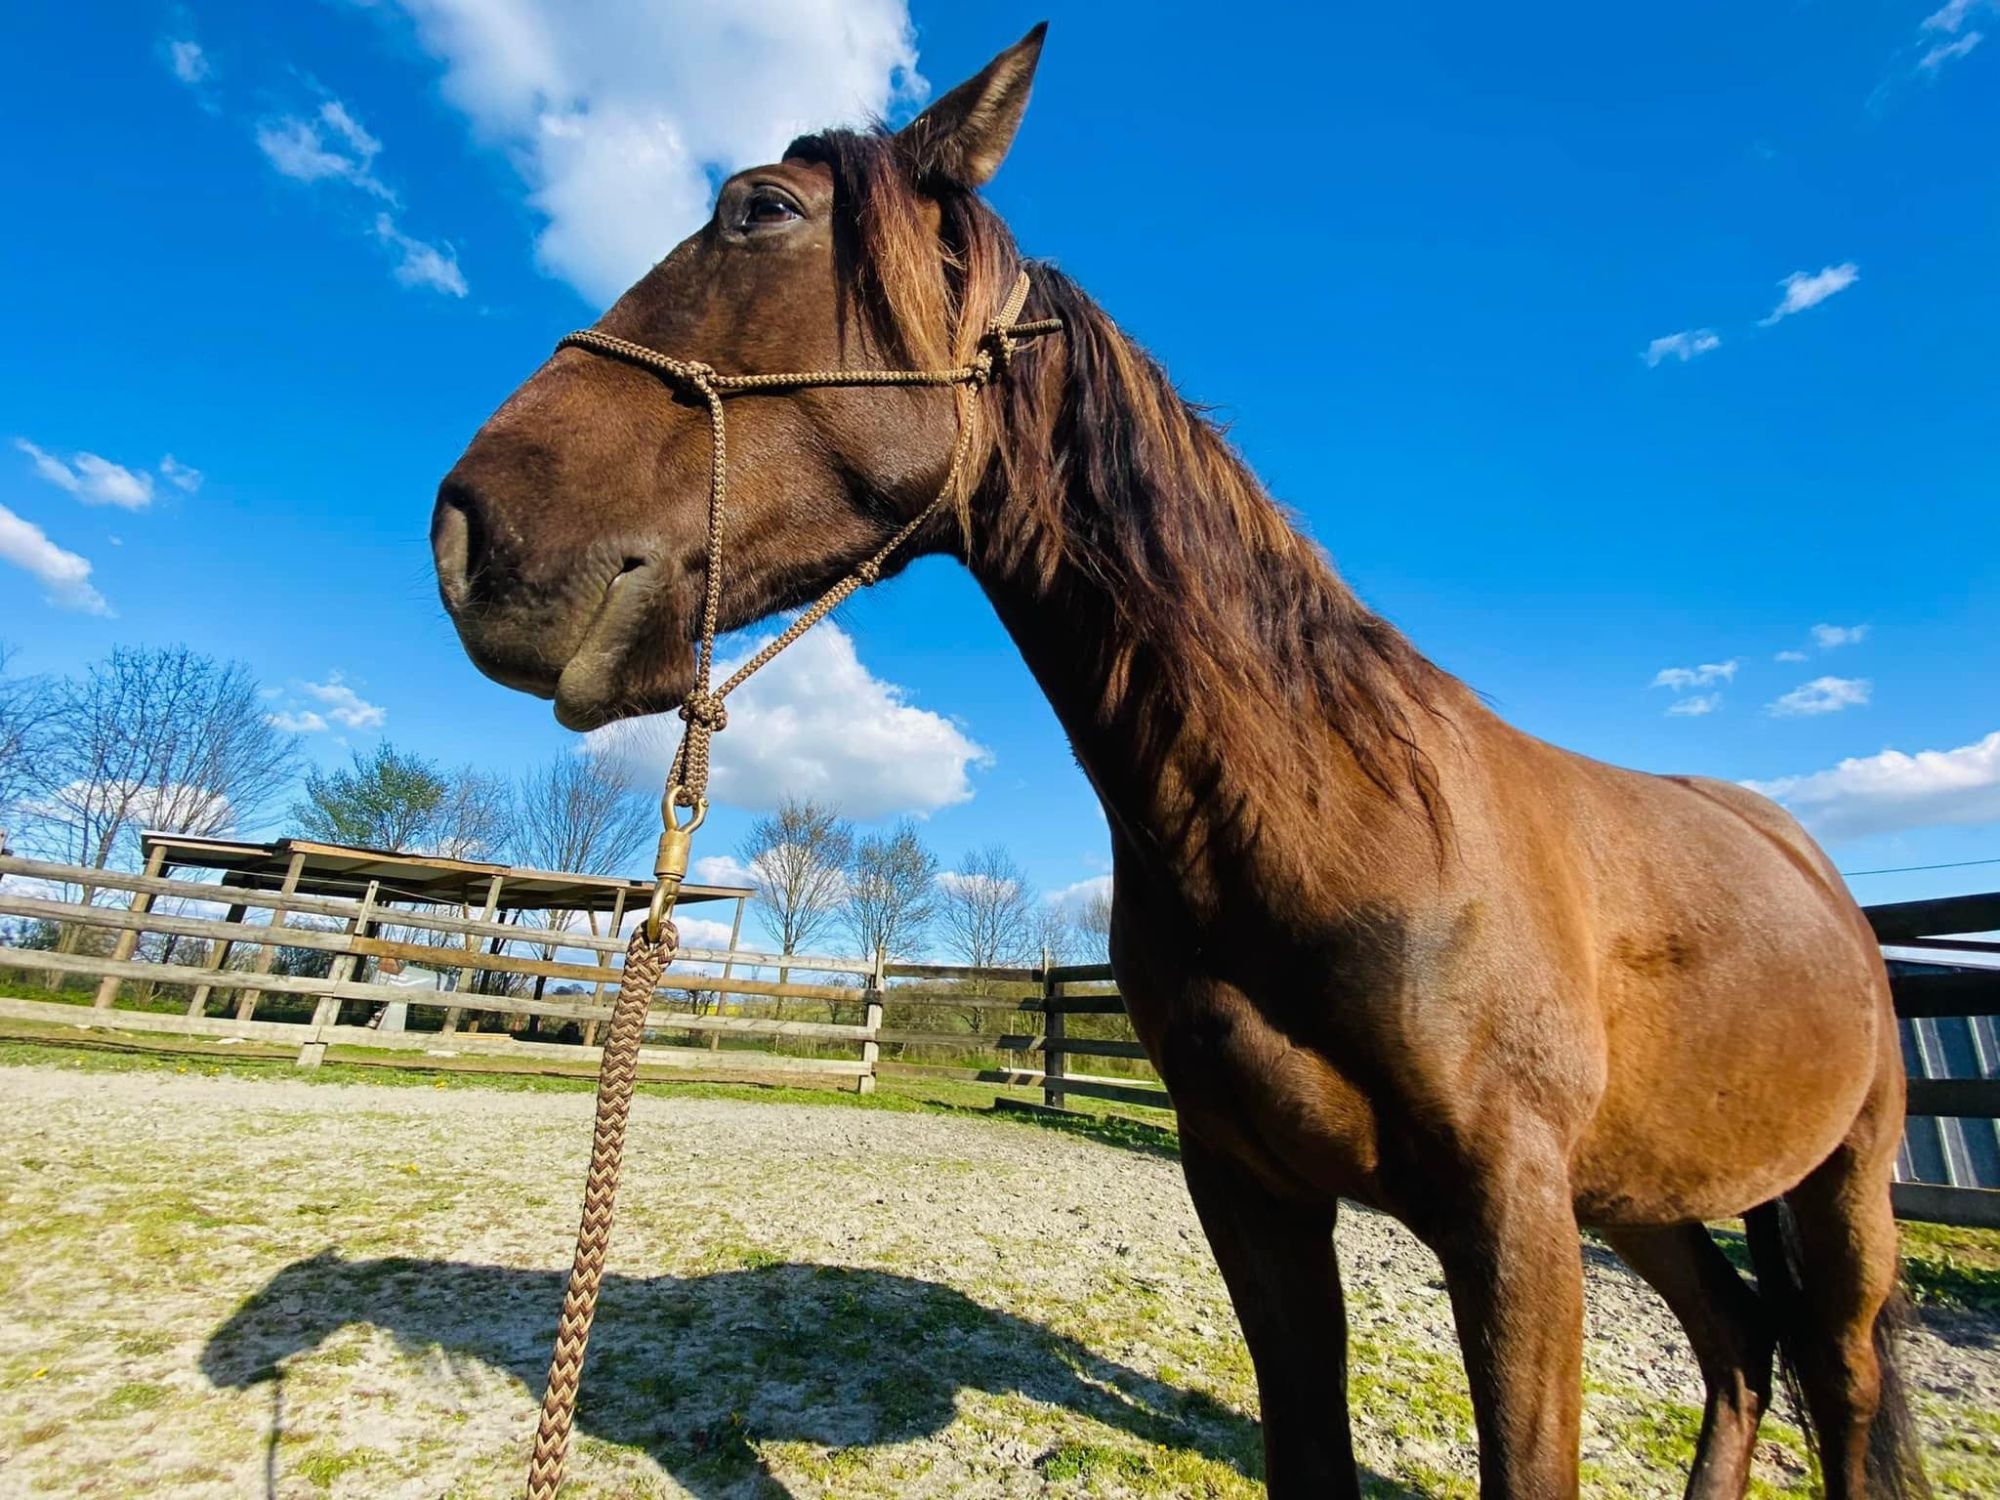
<point>593,631</point>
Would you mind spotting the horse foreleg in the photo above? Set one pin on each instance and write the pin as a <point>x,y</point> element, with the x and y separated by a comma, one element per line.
<point>1513,1263</point>
<point>1733,1340</point>
<point>1278,1262</point>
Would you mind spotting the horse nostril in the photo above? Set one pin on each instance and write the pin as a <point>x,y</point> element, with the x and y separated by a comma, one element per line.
<point>458,539</point>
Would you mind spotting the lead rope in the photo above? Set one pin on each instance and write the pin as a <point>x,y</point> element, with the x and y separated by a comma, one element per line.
<point>655,940</point>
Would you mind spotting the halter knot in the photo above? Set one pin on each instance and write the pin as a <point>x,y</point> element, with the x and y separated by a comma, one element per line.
<point>702,709</point>
<point>995,355</point>
<point>869,573</point>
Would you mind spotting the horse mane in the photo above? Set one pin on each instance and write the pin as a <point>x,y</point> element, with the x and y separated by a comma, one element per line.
<point>1106,469</point>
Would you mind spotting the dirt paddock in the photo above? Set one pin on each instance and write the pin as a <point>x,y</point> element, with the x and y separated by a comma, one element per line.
<point>220,1286</point>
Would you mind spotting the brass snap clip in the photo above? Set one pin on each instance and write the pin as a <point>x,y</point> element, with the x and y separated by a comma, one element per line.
<point>670,863</point>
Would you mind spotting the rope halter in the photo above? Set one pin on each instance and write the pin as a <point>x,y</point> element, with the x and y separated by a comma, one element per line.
<point>702,709</point>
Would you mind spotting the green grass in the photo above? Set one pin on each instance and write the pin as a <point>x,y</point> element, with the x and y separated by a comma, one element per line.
<point>30,1044</point>
<point>1943,1267</point>
<point>1947,1267</point>
<point>323,1466</point>
<point>135,1395</point>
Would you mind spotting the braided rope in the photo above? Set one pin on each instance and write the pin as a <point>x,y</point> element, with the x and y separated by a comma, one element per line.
<point>644,960</point>
<point>687,786</point>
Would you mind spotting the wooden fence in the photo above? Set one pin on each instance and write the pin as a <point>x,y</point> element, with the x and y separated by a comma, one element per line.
<point>1016,1057</point>
<point>1938,991</point>
<point>1022,1030</point>
<point>348,1006</point>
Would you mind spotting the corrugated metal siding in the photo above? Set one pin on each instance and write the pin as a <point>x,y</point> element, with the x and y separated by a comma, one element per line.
<point>1959,1153</point>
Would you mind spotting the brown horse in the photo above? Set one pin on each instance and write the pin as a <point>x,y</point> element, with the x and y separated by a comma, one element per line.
<point>1380,945</point>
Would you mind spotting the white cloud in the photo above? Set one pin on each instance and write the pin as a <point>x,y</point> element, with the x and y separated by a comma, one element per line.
<point>817,723</point>
<point>700,932</point>
<point>1695,707</point>
<point>1942,38</point>
<point>336,117</point>
<point>1823,695</point>
<point>958,880</point>
<point>189,63</point>
<point>421,264</point>
<point>305,721</point>
<point>181,476</point>
<point>1681,678</point>
<point>1827,637</point>
<point>334,146</point>
<point>1894,792</point>
<point>617,114</point>
<point>1789,656</point>
<point>64,575</point>
<point>330,145</point>
<point>1804,289</point>
<point>347,707</point>
<point>1682,346</point>
<point>184,806</point>
<point>1950,16</point>
<point>1945,52</point>
<point>723,869</point>
<point>1075,898</point>
<point>93,480</point>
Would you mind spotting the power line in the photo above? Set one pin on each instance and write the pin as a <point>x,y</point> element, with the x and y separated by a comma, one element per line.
<point>1957,864</point>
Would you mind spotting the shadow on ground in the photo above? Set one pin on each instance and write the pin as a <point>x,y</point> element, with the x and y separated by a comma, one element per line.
<point>697,1371</point>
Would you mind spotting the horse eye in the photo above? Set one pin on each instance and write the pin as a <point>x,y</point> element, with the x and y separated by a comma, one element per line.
<point>768,208</point>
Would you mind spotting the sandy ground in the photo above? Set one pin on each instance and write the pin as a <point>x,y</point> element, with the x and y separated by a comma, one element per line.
<point>231,1287</point>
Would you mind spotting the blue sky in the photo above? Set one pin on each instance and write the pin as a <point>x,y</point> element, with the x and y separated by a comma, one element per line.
<point>1487,297</point>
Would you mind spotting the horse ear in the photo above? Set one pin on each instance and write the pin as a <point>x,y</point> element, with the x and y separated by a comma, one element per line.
<point>963,137</point>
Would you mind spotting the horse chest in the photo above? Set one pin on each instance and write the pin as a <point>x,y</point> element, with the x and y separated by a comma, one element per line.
<point>1289,1113</point>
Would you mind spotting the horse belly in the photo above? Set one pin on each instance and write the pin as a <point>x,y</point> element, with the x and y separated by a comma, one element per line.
<point>1720,1095</point>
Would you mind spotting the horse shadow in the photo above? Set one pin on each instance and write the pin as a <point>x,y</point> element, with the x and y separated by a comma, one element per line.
<point>697,1371</point>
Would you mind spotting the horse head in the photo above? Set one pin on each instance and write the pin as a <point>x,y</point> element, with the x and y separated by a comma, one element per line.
<point>571,538</point>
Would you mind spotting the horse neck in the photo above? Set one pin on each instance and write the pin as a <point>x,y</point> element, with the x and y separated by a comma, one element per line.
<point>1210,734</point>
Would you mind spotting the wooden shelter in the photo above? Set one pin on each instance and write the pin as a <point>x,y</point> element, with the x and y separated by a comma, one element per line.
<point>308,868</point>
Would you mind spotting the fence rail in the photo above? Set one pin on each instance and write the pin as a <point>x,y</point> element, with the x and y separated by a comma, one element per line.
<point>224,955</point>
<point>1945,1017</point>
<point>1071,1012</point>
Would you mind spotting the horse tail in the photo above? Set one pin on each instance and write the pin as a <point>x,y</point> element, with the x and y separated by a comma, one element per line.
<point>1894,1464</point>
<point>1895,1448</point>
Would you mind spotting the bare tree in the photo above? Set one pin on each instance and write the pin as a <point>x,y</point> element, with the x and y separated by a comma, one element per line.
<point>891,892</point>
<point>986,910</point>
<point>1093,925</point>
<point>1056,933</point>
<point>476,818</point>
<point>986,914</point>
<point>154,737</point>
<point>27,705</point>
<point>581,814</point>
<point>798,858</point>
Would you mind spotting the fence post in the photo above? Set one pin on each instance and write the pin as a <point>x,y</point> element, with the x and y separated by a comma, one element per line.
<point>327,1012</point>
<point>198,1004</point>
<point>267,953</point>
<point>728,966</point>
<point>128,942</point>
<point>604,962</point>
<point>1052,1037</point>
<point>452,1012</point>
<point>871,1017</point>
